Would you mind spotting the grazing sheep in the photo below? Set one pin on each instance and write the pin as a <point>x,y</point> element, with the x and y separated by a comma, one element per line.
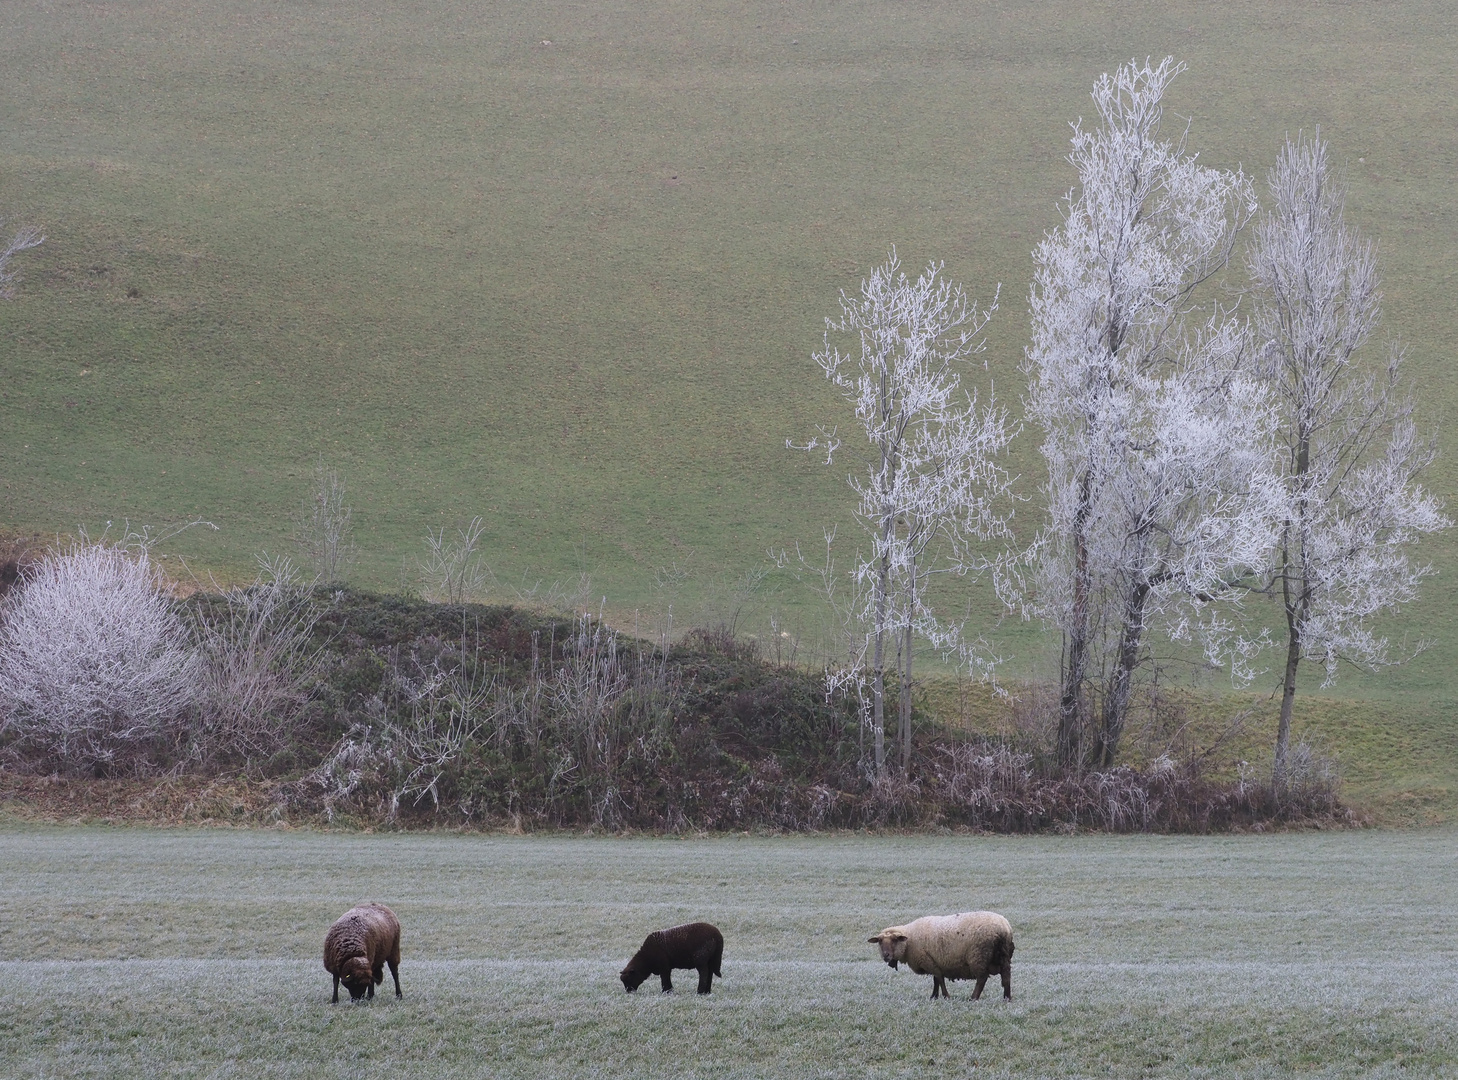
<point>357,948</point>
<point>971,945</point>
<point>692,945</point>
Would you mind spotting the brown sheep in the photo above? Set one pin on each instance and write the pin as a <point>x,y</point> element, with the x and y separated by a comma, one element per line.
<point>357,948</point>
<point>971,945</point>
<point>692,945</point>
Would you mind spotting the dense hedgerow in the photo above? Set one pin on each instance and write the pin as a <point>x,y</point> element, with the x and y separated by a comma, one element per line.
<point>374,709</point>
<point>564,723</point>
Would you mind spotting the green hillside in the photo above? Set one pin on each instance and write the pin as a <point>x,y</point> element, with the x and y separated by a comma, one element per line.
<point>563,264</point>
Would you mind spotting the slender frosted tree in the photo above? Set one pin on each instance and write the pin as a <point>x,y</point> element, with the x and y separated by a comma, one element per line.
<point>932,488</point>
<point>324,531</point>
<point>1160,491</point>
<point>1349,449</point>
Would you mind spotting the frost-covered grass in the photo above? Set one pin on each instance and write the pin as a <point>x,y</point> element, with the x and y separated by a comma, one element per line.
<point>136,952</point>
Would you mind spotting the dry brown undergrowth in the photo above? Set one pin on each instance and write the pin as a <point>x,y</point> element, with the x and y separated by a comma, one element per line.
<point>186,800</point>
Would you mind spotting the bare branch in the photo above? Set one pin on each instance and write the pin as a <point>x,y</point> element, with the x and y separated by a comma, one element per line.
<point>26,238</point>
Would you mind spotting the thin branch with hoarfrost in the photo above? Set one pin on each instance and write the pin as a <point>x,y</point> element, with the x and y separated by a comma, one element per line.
<point>424,718</point>
<point>452,571</point>
<point>324,532</point>
<point>261,661</point>
<point>25,238</point>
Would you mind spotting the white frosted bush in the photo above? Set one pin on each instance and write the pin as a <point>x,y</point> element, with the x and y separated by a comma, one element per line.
<point>95,665</point>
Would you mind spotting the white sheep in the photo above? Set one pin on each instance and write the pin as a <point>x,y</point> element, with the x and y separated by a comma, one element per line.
<point>971,945</point>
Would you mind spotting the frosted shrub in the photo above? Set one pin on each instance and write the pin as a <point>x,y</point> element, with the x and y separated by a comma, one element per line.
<point>95,666</point>
<point>261,662</point>
<point>452,571</point>
<point>417,728</point>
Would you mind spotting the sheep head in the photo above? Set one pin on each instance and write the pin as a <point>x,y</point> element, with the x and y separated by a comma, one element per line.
<point>356,976</point>
<point>633,975</point>
<point>893,945</point>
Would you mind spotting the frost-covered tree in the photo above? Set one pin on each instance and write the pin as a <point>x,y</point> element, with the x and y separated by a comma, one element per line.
<point>932,486</point>
<point>1349,450</point>
<point>1161,491</point>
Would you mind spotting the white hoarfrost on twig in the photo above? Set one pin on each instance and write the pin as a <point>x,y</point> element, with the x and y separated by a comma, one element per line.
<point>324,532</point>
<point>452,571</point>
<point>422,720</point>
<point>261,662</point>
<point>25,238</point>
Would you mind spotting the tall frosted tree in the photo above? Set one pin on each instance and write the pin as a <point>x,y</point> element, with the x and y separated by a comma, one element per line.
<point>1161,490</point>
<point>1350,453</point>
<point>932,488</point>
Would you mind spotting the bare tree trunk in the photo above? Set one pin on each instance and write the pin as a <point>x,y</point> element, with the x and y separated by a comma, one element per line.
<point>905,726</point>
<point>1116,699</point>
<point>1295,616</point>
<point>878,663</point>
<point>1071,709</point>
<point>1288,698</point>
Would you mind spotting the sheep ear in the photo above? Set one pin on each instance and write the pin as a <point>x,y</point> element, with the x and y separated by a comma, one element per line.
<point>875,940</point>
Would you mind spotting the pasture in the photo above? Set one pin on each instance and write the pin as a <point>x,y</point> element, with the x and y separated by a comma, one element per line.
<point>563,264</point>
<point>135,952</point>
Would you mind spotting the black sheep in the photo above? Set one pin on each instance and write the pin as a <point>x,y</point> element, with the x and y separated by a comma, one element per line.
<point>692,945</point>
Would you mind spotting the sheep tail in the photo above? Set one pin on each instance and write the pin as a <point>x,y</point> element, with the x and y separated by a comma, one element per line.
<point>1002,953</point>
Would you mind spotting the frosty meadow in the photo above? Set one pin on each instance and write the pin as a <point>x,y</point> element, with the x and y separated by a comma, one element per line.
<point>184,953</point>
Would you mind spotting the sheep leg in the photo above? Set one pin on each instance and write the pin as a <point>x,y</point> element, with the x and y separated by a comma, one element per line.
<point>977,991</point>
<point>1007,979</point>
<point>667,978</point>
<point>336,991</point>
<point>370,993</point>
<point>395,974</point>
<point>706,980</point>
<point>938,987</point>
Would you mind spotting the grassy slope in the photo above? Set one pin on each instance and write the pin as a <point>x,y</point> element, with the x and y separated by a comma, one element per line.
<point>573,287</point>
<point>1397,755</point>
<point>183,953</point>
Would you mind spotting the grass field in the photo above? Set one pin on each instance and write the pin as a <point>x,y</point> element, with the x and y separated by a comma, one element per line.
<point>573,287</point>
<point>187,953</point>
